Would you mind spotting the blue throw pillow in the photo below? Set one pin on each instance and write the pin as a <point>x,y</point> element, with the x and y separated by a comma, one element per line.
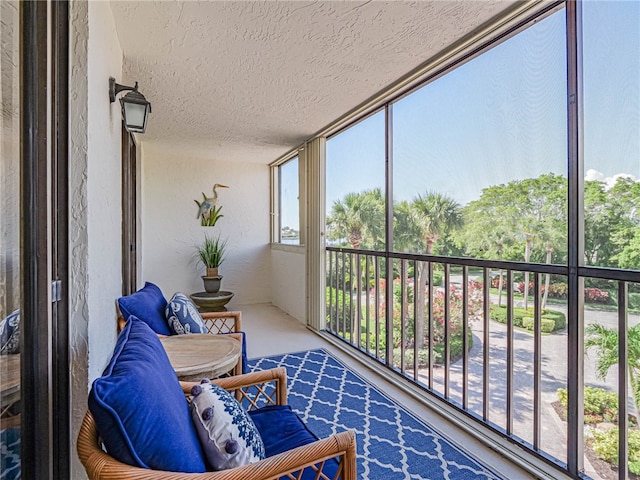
<point>10,334</point>
<point>183,316</point>
<point>148,305</point>
<point>140,410</point>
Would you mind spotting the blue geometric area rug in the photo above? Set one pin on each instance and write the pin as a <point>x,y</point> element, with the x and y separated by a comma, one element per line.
<point>393,444</point>
<point>10,454</point>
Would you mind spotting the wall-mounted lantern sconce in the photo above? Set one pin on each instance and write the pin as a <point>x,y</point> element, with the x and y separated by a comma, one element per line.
<point>135,108</point>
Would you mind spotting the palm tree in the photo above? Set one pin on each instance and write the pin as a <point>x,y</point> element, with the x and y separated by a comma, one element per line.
<point>605,340</point>
<point>434,214</point>
<point>406,238</point>
<point>359,217</point>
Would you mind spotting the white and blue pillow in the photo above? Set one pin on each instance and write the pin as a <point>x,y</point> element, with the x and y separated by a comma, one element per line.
<point>10,334</point>
<point>227,434</point>
<point>183,316</point>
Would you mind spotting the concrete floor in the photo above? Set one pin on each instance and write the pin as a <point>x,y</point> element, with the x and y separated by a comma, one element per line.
<point>270,331</point>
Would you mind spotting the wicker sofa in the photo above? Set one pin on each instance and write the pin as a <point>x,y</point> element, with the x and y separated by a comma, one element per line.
<point>142,423</point>
<point>269,386</point>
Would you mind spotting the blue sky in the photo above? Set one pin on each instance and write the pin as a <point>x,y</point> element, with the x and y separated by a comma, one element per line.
<point>502,116</point>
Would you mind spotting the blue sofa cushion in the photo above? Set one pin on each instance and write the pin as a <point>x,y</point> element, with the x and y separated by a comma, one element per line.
<point>183,316</point>
<point>227,435</point>
<point>148,304</point>
<point>281,430</point>
<point>10,334</point>
<point>140,410</point>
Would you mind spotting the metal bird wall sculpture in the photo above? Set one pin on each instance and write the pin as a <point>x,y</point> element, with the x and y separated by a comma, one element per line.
<point>208,213</point>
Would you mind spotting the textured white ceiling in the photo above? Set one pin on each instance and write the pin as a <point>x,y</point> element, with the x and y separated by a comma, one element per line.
<point>249,80</point>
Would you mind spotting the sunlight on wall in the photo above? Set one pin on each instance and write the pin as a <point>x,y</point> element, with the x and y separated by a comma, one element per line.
<point>170,229</point>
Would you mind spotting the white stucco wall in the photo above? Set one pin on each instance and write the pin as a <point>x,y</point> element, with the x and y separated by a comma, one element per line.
<point>288,280</point>
<point>95,201</point>
<point>104,186</point>
<point>170,230</point>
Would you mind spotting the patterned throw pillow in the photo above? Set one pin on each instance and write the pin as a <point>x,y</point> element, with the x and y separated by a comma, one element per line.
<point>183,316</point>
<point>10,334</point>
<point>227,434</point>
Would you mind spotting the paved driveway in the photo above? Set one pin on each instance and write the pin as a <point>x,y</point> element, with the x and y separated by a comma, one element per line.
<point>554,376</point>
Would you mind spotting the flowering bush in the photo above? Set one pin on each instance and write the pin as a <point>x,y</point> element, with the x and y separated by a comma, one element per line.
<point>474,310</point>
<point>595,295</point>
<point>558,290</point>
<point>455,324</point>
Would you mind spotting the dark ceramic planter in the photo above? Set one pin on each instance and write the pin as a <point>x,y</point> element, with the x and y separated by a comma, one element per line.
<point>212,284</point>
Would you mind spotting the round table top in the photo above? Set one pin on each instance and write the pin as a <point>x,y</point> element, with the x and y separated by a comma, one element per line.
<point>201,355</point>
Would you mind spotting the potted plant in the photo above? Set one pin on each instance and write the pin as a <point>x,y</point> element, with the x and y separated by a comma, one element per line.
<point>212,252</point>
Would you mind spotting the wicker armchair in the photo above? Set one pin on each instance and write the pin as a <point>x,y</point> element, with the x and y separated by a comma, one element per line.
<point>216,322</point>
<point>253,391</point>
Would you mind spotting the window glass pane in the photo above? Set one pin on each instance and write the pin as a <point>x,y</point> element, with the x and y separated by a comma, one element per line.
<point>355,169</point>
<point>611,67</point>
<point>10,242</point>
<point>480,155</point>
<point>289,203</point>
<point>611,70</point>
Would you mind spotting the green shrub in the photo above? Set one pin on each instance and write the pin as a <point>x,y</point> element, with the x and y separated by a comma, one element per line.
<point>559,318</point>
<point>423,357</point>
<point>335,313</point>
<point>455,352</point>
<point>563,397</point>
<point>381,344</point>
<point>455,348</point>
<point>634,301</point>
<point>499,314</point>
<point>600,405</point>
<point>605,445</point>
<point>547,325</point>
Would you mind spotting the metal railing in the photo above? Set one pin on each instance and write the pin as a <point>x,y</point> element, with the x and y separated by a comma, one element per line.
<point>488,339</point>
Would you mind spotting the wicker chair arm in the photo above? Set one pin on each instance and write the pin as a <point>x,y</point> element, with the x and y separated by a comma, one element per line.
<point>255,379</point>
<point>100,466</point>
<point>222,322</point>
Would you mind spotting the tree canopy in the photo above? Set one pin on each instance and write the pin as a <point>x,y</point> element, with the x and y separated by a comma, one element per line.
<point>520,220</point>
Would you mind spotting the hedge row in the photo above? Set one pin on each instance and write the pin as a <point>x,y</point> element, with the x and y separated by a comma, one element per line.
<point>552,320</point>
